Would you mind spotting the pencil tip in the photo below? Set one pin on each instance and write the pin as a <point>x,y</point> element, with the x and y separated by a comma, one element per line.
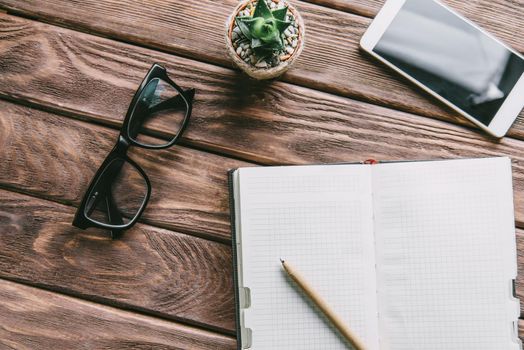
<point>282,260</point>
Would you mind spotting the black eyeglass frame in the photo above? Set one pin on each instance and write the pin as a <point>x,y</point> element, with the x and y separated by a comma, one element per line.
<point>119,151</point>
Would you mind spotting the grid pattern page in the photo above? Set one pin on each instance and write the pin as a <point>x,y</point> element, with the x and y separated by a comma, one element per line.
<point>319,218</point>
<point>446,255</point>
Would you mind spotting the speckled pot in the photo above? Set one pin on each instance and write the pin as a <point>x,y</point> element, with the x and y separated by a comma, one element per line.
<point>264,73</point>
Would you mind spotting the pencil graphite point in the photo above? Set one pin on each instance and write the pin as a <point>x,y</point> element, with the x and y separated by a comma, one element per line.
<point>282,260</point>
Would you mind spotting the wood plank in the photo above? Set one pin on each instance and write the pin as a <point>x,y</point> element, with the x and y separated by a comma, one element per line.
<point>331,61</point>
<point>503,18</point>
<point>519,286</point>
<point>366,8</point>
<point>270,124</point>
<point>31,318</point>
<point>56,157</point>
<point>162,272</point>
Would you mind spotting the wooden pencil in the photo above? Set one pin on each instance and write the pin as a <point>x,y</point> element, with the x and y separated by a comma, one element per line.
<point>323,306</point>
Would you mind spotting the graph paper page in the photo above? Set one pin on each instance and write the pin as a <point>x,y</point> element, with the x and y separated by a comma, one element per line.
<point>446,255</point>
<point>319,218</point>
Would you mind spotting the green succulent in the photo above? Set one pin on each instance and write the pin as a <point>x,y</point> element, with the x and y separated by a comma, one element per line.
<point>264,29</point>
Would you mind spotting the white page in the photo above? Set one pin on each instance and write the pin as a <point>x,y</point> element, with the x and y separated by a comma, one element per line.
<point>446,255</point>
<point>319,218</point>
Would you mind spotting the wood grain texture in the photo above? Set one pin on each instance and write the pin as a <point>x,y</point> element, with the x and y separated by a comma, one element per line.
<point>274,123</point>
<point>504,18</point>
<point>364,8</point>
<point>162,272</point>
<point>32,319</point>
<point>519,286</point>
<point>56,157</point>
<point>330,62</point>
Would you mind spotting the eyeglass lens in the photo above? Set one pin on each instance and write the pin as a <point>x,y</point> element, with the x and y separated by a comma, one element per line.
<point>118,195</point>
<point>159,107</point>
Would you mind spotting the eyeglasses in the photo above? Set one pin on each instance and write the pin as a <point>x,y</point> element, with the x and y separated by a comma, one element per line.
<point>120,189</point>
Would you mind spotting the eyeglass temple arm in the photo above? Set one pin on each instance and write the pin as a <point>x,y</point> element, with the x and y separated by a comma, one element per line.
<point>104,194</point>
<point>113,214</point>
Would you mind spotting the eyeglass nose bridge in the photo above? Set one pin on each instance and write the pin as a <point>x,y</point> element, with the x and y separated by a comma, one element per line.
<point>122,145</point>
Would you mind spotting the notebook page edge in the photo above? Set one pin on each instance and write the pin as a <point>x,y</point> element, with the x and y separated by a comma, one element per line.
<point>243,335</point>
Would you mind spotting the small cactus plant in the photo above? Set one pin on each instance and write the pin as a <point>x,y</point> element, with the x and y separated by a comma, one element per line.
<point>264,37</point>
<point>264,29</point>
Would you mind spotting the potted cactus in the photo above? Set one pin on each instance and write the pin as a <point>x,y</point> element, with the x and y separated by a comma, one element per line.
<point>264,37</point>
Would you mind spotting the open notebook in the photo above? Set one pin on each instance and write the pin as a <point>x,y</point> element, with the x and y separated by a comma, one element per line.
<point>412,255</point>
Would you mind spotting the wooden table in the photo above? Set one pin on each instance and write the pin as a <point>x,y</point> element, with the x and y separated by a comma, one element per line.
<point>67,73</point>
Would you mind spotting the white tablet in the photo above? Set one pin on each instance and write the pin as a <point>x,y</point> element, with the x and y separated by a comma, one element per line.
<point>452,59</point>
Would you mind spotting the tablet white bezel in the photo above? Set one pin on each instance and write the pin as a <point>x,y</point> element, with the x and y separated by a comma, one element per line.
<point>507,113</point>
